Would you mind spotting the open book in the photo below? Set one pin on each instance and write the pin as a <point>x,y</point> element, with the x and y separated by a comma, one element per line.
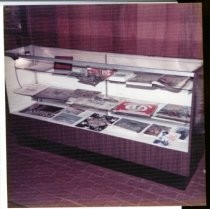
<point>152,80</point>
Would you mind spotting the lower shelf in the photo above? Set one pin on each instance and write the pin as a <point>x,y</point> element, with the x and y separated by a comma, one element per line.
<point>148,130</point>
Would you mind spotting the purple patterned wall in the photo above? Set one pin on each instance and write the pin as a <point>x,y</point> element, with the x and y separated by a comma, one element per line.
<point>171,30</point>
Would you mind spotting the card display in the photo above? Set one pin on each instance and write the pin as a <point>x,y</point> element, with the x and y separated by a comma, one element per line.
<point>97,122</point>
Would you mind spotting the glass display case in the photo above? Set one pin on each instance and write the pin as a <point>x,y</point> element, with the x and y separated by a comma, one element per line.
<point>147,110</point>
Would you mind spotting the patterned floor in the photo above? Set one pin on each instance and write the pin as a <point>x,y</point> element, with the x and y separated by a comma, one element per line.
<point>37,178</point>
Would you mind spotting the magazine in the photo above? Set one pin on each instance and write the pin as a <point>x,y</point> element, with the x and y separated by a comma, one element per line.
<point>62,68</point>
<point>97,122</point>
<point>175,112</point>
<point>135,108</point>
<point>155,129</point>
<point>131,125</point>
<point>30,89</point>
<point>152,80</point>
<point>65,117</point>
<point>54,94</point>
<point>42,110</point>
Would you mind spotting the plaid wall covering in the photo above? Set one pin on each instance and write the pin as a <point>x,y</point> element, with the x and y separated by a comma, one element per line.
<point>172,30</point>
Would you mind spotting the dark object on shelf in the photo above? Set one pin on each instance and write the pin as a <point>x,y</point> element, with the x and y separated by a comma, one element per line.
<point>62,68</point>
<point>97,122</point>
<point>42,110</point>
<point>184,132</point>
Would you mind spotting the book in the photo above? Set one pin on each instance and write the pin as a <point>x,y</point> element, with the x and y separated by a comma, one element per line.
<point>62,68</point>
<point>100,102</point>
<point>153,80</point>
<point>155,129</point>
<point>30,89</point>
<point>135,108</point>
<point>131,125</point>
<point>97,122</point>
<point>54,94</point>
<point>143,80</point>
<point>121,77</point>
<point>47,111</point>
<point>65,117</point>
<point>171,82</point>
<point>79,93</point>
<point>90,79</point>
<point>175,112</point>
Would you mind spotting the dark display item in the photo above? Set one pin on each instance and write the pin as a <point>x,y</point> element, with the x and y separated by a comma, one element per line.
<point>63,68</point>
<point>184,132</point>
<point>97,122</point>
<point>42,110</point>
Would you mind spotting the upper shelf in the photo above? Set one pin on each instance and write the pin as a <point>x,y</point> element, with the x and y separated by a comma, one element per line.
<point>124,62</point>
